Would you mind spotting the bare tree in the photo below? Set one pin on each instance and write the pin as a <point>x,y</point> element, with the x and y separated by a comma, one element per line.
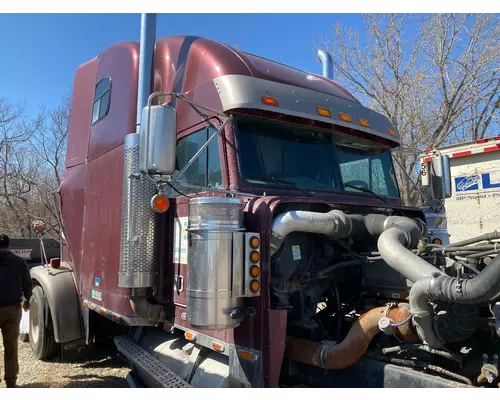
<point>49,144</point>
<point>434,76</point>
<point>32,153</point>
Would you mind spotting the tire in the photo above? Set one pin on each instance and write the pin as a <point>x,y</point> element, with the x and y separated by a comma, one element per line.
<point>41,338</point>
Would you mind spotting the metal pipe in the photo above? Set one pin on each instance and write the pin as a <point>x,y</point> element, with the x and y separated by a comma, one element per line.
<point>327,62</point>
<point>486,237</point>
<point>351,349</point>
<point>422,347</point>
<point>334,223</point>
<point>148,34</point>
<point>392,247</point>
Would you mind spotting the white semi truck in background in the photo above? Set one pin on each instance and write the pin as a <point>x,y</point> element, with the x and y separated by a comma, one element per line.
<point>473,207</point>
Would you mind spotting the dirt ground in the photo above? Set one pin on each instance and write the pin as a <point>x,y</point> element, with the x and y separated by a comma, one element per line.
<point>102,369</point>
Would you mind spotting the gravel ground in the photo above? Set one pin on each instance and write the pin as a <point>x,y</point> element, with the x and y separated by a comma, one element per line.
<point>103,369</point>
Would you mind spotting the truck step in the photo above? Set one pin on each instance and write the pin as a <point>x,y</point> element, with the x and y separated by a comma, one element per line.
<point>163,376</point>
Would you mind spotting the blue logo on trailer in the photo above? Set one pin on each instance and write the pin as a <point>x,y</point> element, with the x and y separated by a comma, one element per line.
<point>471,182</point>
<point>467,183</point>
<point>96,282</point>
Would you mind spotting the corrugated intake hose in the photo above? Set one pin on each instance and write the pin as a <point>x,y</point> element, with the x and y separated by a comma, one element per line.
<point>450,290</point>
<point>352,348</point>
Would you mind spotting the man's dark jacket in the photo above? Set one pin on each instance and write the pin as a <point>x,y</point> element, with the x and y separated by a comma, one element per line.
<point>15,279</point>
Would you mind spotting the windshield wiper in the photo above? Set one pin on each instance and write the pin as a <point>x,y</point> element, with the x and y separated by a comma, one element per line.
<point>365,190</point>
<point>278,180</point>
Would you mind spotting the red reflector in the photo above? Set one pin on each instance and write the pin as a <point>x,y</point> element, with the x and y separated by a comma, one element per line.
<point>55,262</point>
<point>480,141</point>
<point>462,154</point>
<point>427,159</point>
<point>492,148</point>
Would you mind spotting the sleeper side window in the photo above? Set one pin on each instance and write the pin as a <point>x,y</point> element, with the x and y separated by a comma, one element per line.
<point>102,97</point>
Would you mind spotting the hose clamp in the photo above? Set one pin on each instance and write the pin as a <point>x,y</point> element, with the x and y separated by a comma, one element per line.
<point>321,355</point>
<point>459,286</point>
<point>389,306</point>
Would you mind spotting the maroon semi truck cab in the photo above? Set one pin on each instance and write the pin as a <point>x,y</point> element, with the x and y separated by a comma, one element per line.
<point>231,231</point>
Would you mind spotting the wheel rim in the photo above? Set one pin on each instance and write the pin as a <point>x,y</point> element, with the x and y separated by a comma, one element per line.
<point>34,323</point>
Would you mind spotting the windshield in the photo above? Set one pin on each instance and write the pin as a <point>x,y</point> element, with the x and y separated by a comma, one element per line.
<point>312,159</point>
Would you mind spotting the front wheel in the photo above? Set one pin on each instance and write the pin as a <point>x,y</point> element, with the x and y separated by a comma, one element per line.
<point>41,338</point>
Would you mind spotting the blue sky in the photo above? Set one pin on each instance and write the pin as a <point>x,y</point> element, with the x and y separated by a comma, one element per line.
<point>42,51</point>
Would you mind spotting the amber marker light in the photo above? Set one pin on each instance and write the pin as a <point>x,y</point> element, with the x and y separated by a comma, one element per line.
<point>254,257</point>
<point>270,101</point>
<point>345,117</point>
<point>437,241</point>
<point>254,271</point>
<point>254,242</point>
<point>246,355</point>
<point>160,203</point>
<point>254,286</point>
<point>323,112</point>
<point>364,122</point>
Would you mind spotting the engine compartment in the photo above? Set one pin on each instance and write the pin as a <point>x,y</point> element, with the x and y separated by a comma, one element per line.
<point>344,301</point>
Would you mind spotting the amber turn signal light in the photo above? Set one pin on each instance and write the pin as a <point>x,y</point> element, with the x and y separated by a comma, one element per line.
<point>254,271</point>
<point>254,242</point>
<point>254,286</point>
<point>254,257</point>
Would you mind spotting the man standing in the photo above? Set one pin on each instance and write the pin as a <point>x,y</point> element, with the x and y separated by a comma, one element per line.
<point>15,283</point>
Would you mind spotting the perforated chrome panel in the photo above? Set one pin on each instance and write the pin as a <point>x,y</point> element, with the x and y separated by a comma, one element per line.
<point>138,238</point>
<point>145,361</point>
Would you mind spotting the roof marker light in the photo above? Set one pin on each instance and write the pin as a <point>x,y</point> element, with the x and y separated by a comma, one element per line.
<point>323,112</point>
<point>345,117</point>
<point>364,122</point>
<point>270,101</point>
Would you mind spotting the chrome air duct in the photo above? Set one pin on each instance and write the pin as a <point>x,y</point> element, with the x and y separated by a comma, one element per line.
<point>334,223</point>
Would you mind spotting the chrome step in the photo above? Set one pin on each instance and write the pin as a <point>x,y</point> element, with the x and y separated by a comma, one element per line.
<point>161,375</point>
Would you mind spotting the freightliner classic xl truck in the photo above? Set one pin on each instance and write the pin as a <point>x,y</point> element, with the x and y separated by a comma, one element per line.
<point>235,222</point>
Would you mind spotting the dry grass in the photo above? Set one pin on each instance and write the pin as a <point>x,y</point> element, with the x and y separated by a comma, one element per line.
<point>100,370</point>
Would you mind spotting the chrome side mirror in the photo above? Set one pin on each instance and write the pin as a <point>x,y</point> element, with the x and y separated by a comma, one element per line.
<point>440,177</point>
<point>158,140</point>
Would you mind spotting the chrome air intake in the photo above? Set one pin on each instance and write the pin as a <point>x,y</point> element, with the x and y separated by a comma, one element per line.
<point>210,299</point>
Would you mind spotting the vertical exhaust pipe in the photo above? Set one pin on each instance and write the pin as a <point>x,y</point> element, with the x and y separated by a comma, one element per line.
<point>327,62</point>
<point>148,36</point>
<point>139,224</point>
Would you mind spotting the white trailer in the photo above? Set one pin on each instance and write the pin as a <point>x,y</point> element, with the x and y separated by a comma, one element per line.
<point>474,205</point>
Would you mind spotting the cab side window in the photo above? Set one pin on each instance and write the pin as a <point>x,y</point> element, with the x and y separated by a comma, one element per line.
<point>206,169</point>
<point>102,97</point>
